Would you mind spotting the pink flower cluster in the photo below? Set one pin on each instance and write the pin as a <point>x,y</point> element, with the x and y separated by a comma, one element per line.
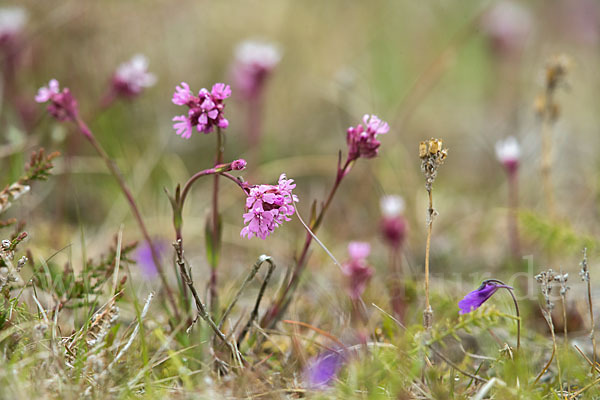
<point>362,140</point>
<point>132,77</point>
<point>268,206</point>
<point>63,105</point>
<point>357,269</point>
<point>205,110</point>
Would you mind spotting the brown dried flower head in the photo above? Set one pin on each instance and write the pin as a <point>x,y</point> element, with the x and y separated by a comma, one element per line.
<point>432,154</point>
<point>556,70</point>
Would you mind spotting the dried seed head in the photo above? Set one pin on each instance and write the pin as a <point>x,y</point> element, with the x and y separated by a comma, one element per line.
<point>556,70</point>
<point>546,279</point>
<point>562,280</point>
<point>432,154</point>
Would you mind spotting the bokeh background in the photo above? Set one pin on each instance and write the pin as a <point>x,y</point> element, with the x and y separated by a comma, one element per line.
<point>431,69</point>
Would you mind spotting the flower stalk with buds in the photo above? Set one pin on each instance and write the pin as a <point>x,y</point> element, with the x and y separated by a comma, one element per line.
<point>393,227</point>
<point>358,273</point>
<point>362,143</point>
<point>508,153</point>
<point>432,154</point>
<point>254,63</point>
<point>63,107</point>
<point>129,80</point>
<point>206,113</point>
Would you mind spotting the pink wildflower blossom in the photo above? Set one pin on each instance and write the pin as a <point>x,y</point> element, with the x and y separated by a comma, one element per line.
<point>268,206</point>
<point>362,140</point>
<point>205,110</point>
<point>254,62</point>
<point>357,269</point>
<point>132,77</point>
<point>393,225</point>
<point>508,152</point>
<point>63,105</point>
<point>12,22</point>
<point>507,25</point>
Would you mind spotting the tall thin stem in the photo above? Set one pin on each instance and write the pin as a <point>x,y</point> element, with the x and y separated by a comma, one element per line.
<point>547,119</point>
<point>548,318</point>
<point>585,275</point>
<point>513,205</point>
<point>546,166</point>
<point>214,260</point>
<point>116,172</point>
<point>517,312</point>
<point>428,312</point>
<point>592,328</point>
<point>397,289</point>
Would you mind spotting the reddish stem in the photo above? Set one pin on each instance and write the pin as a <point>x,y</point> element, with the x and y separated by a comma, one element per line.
<point>513,205</point>
<point>116,172</point>
<point>214,301</point>
<point>278,308</point>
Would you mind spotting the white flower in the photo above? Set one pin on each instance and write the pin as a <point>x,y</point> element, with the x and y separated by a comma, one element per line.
<point>391,206</point>
<point>258,53</point>
<point>12,21</point>
<point>135,75</point>
<point>508,150</point>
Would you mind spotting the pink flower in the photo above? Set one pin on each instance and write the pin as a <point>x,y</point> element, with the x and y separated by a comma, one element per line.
<point>393,224</point>
<point>45,93</point>
<point>183,127</point>
<point>254,62</point>
<point>357,269</point>
<point>132,77</point>
<point>220,91</point>
<point>507,25</point>
<point>362,140</point>
<point>12,22</point>
<point>182,95</point>
<point>238,165</point>
<point>268,206</point>
<point>508,153</point>
<point>62,105</point>
<point>205,110</point>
